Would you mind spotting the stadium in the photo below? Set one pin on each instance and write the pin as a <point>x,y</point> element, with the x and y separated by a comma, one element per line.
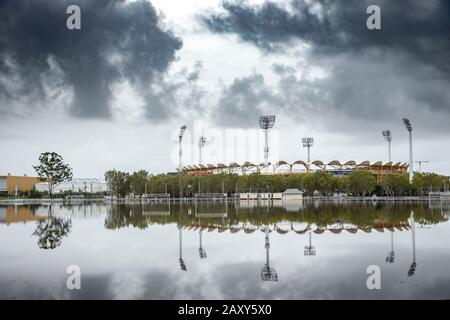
<point>335,167</point>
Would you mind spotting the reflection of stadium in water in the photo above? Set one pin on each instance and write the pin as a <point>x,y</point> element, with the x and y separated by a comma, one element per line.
<point>176,235</point>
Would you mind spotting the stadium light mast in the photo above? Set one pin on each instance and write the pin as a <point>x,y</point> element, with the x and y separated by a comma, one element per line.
<point>180,155</point>
<point>308,142</point>
<point>266,123</point>
<point>388,137</point>
<point>201,144</point>
<point>268,273</point>
<point>408,126</point>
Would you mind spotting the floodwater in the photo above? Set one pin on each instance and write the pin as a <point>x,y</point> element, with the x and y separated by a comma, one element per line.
<point>226,250</point>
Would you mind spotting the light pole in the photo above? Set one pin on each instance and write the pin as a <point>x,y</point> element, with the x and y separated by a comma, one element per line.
<point>201,144</point>
<point>388,137</point>
<point>308,142</point>
<point>180,155</point>
<point>408,126</point>
<point>266,123</point>
<point>420,164</point>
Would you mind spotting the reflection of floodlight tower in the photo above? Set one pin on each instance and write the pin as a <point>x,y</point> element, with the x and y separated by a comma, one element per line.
<point>266,123</point>
<point>310,250</point>
<point>201,251</point>
<point>391,254</point>
<point>180,237</point>
<point>308,143</point>
<point>268,273</point>
<point>412,268</point>
<point>180,244</point>
<point>201,144</point>
<point>408,126</point>
<point>388,137</point>
<point>180,156</point>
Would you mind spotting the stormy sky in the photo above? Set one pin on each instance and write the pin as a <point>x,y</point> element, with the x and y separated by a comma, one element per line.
<point>113,94</point>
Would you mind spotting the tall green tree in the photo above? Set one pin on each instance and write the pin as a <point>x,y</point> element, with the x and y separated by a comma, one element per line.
<point>395,185</point>
<point>343,184</point>
<point>53,170</point>
<point>138,182</point>
<point>118,182</point>
<point>362,183</point>
<point>425,182</point>
<point>325,182</point>
<point>309,183</point>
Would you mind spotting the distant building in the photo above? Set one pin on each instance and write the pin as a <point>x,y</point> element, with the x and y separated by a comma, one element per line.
<point>76,186</point>
<point>281,167</point>
<point>292,194</point>
<point>260,196</point>
<point>14,184</point>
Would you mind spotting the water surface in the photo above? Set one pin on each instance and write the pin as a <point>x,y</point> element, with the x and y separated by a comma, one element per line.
<point>219,250</point>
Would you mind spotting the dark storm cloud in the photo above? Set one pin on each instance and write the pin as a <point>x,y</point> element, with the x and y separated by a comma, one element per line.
<point>401,70</point>
<point>330,26</point>
<point>117,41</point>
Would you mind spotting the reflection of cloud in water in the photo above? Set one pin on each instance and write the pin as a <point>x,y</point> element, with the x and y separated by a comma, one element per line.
<point>139,258</point>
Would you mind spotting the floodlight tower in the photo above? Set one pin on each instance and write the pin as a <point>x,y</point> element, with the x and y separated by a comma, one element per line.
<point>412,268</point>
<point>180,155</point>
<point>268,273</point>
<point>201,144</point>
<point>180,151</point>
<point>388,137</point>
<point>308,142</point>
<point>310,250</point>
<point>266,123</point>
<point>408,126</point>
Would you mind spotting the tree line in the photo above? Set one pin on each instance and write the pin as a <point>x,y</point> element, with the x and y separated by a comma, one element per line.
<point>358,183</point>
<point>53,170</point>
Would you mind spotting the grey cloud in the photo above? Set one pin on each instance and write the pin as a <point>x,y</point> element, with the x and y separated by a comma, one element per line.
<point>419,27</point>
<point>380,76</point>
<point>356,95</point>
<point>175,94</point>
<point>243,100</point>
<point>117,40</point>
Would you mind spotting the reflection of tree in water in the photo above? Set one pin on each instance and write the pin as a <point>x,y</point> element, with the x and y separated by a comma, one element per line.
<point>122,216</point>
<point>51,231</point>
<point>360,215</point>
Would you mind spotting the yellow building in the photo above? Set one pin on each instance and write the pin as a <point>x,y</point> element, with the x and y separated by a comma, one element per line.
<point>11,184</point>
